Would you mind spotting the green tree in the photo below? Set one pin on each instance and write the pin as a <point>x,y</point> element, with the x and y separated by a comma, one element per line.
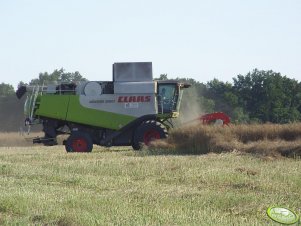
<point>268,96</point>
<point>57,76</point>
<point>162,77</point>
<point>240,116</point>
<point>6,89</point>
<point>196,95</point>
<point>223,95</point>
<point>21,83</point>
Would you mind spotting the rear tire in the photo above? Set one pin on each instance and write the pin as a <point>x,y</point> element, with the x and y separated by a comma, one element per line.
<point>147,132</point>
<point>79,142</point>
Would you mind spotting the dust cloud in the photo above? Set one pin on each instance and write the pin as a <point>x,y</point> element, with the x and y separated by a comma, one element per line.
<point>190,109</point>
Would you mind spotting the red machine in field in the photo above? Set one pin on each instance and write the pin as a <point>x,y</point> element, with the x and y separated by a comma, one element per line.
<point>213,117</point>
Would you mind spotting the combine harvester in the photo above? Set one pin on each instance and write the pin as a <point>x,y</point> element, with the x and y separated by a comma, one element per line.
<point>130,110</point>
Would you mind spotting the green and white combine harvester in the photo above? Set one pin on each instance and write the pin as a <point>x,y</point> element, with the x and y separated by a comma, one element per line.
<point>130,110</point>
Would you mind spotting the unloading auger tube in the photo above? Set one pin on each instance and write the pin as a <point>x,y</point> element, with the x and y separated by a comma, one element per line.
<point>131,110</point>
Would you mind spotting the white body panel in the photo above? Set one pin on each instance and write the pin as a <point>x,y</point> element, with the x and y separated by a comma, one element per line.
<point>134,104</point>
<point>135,87</point>
<point>132,92</point>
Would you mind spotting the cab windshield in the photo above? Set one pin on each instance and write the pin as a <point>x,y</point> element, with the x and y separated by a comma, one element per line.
<point>167,98</point>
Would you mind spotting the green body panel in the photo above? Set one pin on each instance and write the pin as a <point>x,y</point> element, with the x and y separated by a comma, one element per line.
<point>52,106</point>
<point>93,117</point>
<point>68,107</point>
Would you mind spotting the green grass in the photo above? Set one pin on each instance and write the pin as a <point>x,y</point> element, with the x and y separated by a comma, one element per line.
<point>46,186</point>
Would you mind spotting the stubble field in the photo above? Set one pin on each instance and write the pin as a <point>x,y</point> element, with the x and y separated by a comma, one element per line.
<point>46,186</point>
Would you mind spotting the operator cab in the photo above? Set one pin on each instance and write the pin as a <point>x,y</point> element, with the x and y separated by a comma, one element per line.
<point>169,95</point>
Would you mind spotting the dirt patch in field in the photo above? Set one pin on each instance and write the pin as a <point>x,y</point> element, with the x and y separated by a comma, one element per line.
<point>268,140</point>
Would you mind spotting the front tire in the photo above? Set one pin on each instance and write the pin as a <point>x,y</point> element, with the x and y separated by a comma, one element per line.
<point>79,142</point>
<point>147,132</point>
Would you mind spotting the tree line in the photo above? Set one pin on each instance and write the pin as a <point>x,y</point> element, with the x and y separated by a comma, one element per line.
<point>259,96</point>
<point>57,76</point>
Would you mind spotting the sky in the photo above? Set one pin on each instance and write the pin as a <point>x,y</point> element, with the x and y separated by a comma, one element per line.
<point>200,39</point>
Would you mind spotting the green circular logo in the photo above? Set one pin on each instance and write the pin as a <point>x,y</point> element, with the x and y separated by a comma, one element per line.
<point>282,215</point>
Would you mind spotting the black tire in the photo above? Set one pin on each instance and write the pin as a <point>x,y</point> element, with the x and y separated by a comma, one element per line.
<point>79,142</point>
<point>146,132</point>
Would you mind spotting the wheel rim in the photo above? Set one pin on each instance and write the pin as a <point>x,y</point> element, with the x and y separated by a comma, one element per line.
<point>151,135</point>
<point>79,145</point>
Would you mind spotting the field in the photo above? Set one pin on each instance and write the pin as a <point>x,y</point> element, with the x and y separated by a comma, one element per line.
<point>46,186</point>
